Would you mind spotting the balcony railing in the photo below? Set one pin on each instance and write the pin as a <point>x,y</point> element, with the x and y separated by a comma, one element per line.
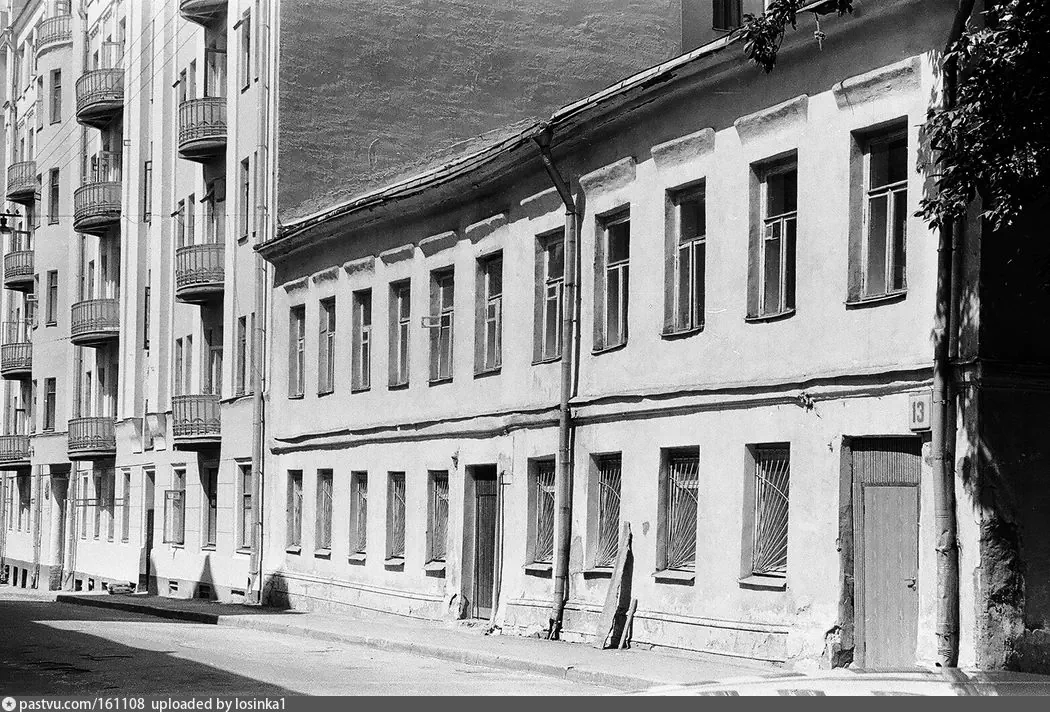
<point>18,270</point>
<point>199,272</point>
<point>100,96</point>
<point>91,438</point>
<point>202,12</point>
<point>53,31</point>
<point>16,349</point>
<point>94,321</point>
<point>195,420</point>
<point>21,181</point>
<point>96,207</point>
<point>202,127</point>
<point>14,449</point>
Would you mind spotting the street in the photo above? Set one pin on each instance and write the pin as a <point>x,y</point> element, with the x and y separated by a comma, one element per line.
<point>49,648</point>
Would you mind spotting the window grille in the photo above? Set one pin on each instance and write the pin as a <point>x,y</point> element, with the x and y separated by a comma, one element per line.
<point>772,477</point>
<point>359,512</point>
<point>609,478</point>
<point>439,514</point>
<point>544,503</point>
<point>778,243</point>
<point>295,508</point>
<point>323,533</point>
<point>395,542</point>
<point>683,479</point>
<point>886,215</point>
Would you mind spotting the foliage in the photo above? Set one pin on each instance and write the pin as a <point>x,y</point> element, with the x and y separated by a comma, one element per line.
<point>995,142</point>
<point>763,34</point>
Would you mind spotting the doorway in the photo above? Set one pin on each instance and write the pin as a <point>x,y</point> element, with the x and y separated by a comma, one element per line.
<point>886,474</point>
<point>484,550</point>
<point>146,562</point>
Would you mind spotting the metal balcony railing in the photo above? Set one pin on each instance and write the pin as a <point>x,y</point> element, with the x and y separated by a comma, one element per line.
<point>14,448</point>
<point>199,270</point>
<point>21,181</point>
<point>16,349</point>
<point>52,31</point>
<point>96,206</point>
<point>94,320</point>
<point>195,417</point>
<point>100,95</point>
<point>18,269</point>
<point>91,437</point>
<point>202,125</point>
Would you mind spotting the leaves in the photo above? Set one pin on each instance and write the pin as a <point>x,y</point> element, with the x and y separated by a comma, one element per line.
<point>763,34</point>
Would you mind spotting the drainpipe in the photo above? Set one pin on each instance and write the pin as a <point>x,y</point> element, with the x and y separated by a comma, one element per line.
<point>563,483</point>
<point>942,425</point>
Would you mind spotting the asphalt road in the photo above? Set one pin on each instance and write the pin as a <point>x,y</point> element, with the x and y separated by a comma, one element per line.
<point>49,648</point>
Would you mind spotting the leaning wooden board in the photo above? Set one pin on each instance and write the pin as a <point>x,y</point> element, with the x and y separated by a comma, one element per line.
<point>613,604</point>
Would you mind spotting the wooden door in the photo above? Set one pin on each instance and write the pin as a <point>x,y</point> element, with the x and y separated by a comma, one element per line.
<point>886,477</point>
<point>484,545</point>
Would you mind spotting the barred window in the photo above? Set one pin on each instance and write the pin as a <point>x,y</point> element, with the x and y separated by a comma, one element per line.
<point>772,479</point>
<point>543,511</point>
<point>323,531</point>
<point>609,478</point>
<point>682,479</point>
<point>395,512</point>
<point>358,512</point>
<point>438,516</point>
<point>295,509</point>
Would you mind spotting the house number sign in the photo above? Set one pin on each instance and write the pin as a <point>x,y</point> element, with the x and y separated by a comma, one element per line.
<point>920,405</point>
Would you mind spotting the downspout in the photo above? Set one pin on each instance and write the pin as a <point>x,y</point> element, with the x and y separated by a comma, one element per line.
<point>942,426</point>
<point>562,491</point>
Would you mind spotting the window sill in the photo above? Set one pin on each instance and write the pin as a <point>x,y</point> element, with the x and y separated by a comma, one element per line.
<point>296,397</point>
<point>489,372</point>
<point>293,550</point>
<point>244,550</point>
<point>397,386</point>
<point>360,389</point>
<point>765,583</point>
<point>551,359</point>
<point>356,559</point>
<point>441,381</point>
<point>322,394</point>
<point>675,576</point>
<point>608,349</point>
<point>598,572</point>
<point>538,568</point>
<point>435,568</point>
<point>173,545</point>
<point>862,302</point>
<point>51,323</point>
<point>208,547</point>
<point>681,333</point>
<point>770,317</point>
<point>323,554</point>
<point>394,563</point>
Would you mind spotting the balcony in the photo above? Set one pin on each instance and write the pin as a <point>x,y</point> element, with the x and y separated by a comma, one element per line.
<point>14,451</point>
<point>52,32</point>
<point>96,207</point>
<point>91,438</point>
<point>18,270</point>
<point>195,421</point>
<point>199,273</point>
<point>202,128</point>
<point>16,350</point>
<point>94,322</point>
<point>100,96</point>
<point>21,182</point>
<point>203,12</point>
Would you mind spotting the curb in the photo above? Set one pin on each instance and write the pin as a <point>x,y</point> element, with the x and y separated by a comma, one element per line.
<point>457,655</point>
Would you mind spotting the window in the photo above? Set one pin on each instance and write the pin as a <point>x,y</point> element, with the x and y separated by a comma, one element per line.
<point>550,278</point>
<point>211,373</point>
<point>442,312</point>
<point>725,14</point>
<point>295,509</point>
<point>125,518</point>
<point>437,529</point>
<point>180,224</point>
<point>297,352</point>
<point>395,517</point>
<point>614,281</point>
<point>50,395</point>
<point>772,273</point>
<point>681,479</point>
<point>358,513</point>
<point>177,371</point>
<point>147,190</point>
<point>145,312</point>
<point>52,197</point>
<point>885,215</point>
<point>400,309</point>
<point>25,498</point>
<point>684,296</point>
<point>175,509</point>
<point>361,347</point>
<point>244,208</point>
<point>244,538</point>
<point>542,510</point>
<point>100,502</point>
<point>323,515</point>
<point>488,326</point>
<point>240,376</point>
<point>210,485</point>
<point>246,50</point>
<point>608,533</point>
<point>85,500</point>
<point>110,480</point>
<point>56,96</point>
<point>191,220</point>
<point>51,305</point>
<point>326,347</point>
<point>768,534</point>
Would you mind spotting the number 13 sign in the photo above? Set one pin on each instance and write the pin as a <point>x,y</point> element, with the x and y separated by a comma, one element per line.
<point>919,407</point>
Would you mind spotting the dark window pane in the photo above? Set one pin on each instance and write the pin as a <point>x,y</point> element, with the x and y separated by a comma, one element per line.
<point>693,219</point>
<point>619,242</point>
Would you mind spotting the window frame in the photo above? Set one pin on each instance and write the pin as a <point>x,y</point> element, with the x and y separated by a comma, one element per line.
<point>763,228</point>
<point>896,195</point>
<point>326,319</point>
<point>673,555</point>
<point>53,196</point>
<point>726,10</point>
<point>400,339</point>
<point>696,248</point>
<point>549,297</point>
<point>438,494</point>
<point>617,271</point>
<point>294,512</point>
<point>442,321</point>
<point>361,345</point>
<point>488,331</point>
<point>542,507</point>
<point>358,544</point>
<point>209,475</point>
<point>324,506</point>
<point>765,576</point>
<point>297,351</point>
<point>608,471</point>
<point>396,514</point>
<point>51,307</point>
<point>175,509</point>
<point>55,107</point>
<point>245,533</point>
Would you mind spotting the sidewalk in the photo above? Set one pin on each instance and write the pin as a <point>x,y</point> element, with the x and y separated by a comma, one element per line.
<point>621,669</point>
